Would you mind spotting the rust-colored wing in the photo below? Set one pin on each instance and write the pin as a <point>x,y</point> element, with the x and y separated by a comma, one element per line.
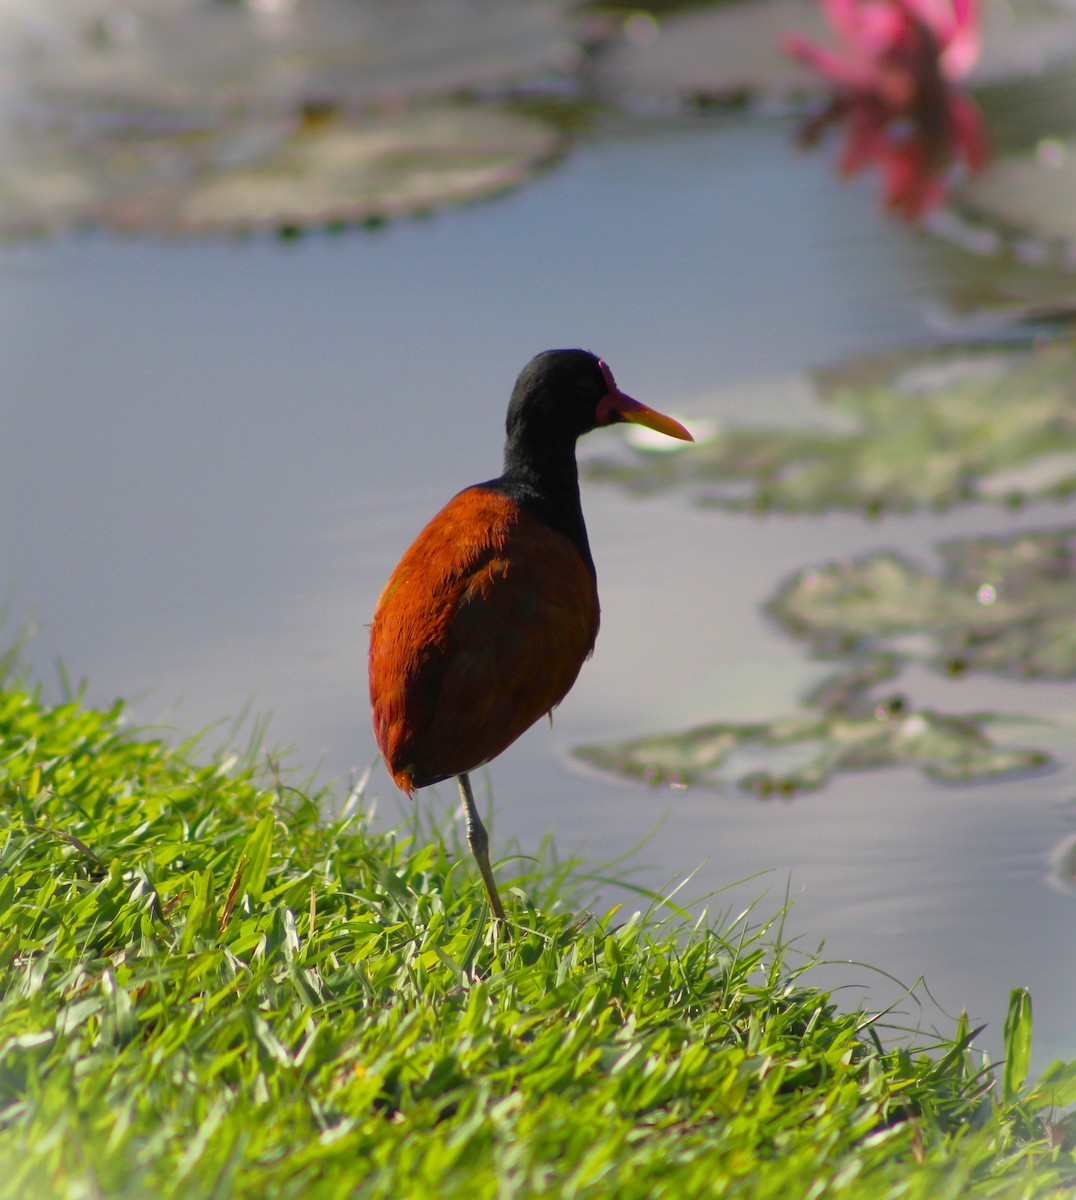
<point>481,630</point>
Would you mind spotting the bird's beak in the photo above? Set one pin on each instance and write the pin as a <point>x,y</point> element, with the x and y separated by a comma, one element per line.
<point>616,406</point>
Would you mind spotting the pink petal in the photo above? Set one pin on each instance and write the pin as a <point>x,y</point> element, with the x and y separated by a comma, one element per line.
<point>956,25</point>
<point>928,195</point>
<point>864,142</point>
<point>840,70</point>
<point>843,16</point>
<point>966,15</point>
<point>910,187</point>
<point>882,27</point>
<point>968,131</point>
<point>936,15</point>
<point>962,51</point>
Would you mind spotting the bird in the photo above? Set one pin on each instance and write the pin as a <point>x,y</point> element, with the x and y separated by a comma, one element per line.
<point>490,614</point>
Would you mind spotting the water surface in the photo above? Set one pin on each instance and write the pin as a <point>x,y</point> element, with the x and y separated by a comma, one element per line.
<point>212,454</point>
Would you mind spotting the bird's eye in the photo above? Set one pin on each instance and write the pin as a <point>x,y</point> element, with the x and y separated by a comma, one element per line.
<point>587,388</point>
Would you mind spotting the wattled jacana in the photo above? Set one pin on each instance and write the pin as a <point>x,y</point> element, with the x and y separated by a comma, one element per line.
<point>487,619</point>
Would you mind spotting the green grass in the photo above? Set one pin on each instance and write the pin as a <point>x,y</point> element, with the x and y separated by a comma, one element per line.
<point>207,991</point>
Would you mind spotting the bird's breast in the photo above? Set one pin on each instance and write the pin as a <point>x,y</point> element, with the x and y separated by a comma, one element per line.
<point>480,631</point>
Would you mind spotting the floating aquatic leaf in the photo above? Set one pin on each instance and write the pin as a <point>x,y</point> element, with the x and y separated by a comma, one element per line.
<point>844,730</point>
<point>1022,206</point>
<point>266,175</point>
<point>182,116</point>
<point>1028,199</point>
<point>358,169</point>
<point>1000,604</point>
<point>1003,604</point>
<point>927,431</point>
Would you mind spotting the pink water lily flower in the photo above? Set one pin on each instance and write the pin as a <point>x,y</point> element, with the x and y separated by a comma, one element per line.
<point>894,84</point>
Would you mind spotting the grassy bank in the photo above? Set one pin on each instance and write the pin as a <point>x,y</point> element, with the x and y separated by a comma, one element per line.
<point>204,991</point>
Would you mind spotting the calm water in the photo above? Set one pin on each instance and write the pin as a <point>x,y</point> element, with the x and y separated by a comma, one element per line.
<point>211,456</point>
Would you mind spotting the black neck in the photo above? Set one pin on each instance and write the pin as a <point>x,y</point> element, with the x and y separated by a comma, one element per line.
<point>546,483</point>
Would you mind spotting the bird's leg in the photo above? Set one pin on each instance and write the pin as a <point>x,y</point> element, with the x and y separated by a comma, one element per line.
<point>478,840</point>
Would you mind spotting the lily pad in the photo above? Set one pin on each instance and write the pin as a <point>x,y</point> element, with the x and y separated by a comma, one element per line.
<point>1005,605</point>
<point>1029,199</point>
<point>183,116</point>
<point>267,175</point>
<point>906,432</point>
<point>844,730</point>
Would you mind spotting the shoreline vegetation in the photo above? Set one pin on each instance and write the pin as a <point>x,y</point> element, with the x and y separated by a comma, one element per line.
<point>208,990</point>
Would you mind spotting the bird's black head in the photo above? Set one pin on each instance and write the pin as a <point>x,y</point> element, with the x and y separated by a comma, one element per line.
<point>559,396</point>
<point>562,394</point>
<point>556,396</point>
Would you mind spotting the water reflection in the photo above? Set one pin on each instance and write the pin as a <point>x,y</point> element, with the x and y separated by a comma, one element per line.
<point>894,91</point>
